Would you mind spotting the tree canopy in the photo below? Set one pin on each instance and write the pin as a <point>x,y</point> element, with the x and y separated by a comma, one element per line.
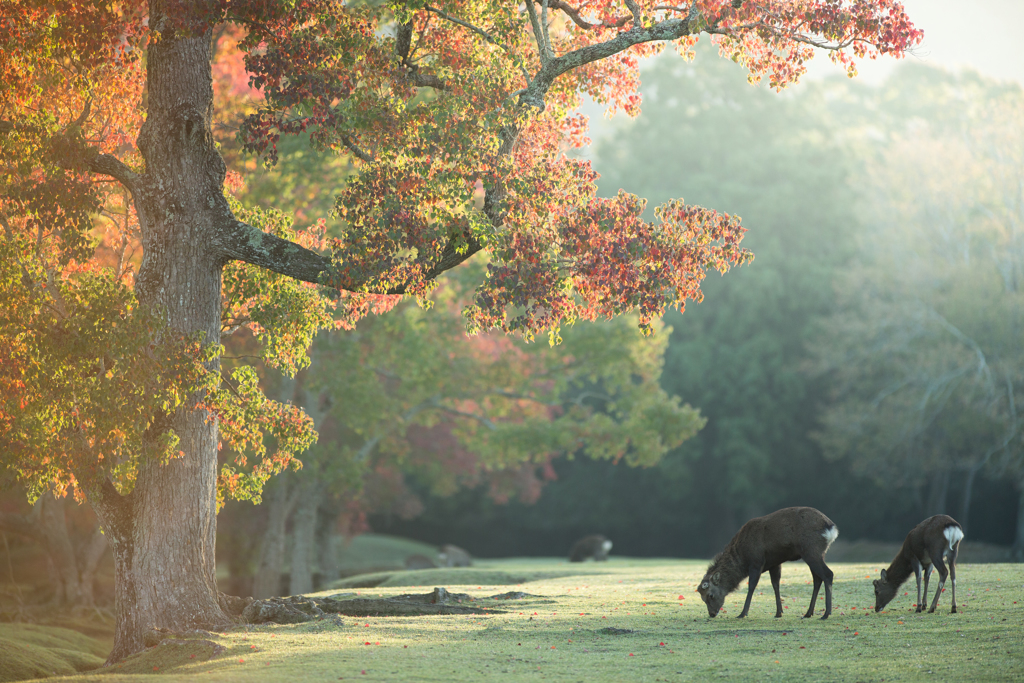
<point>456,120</point>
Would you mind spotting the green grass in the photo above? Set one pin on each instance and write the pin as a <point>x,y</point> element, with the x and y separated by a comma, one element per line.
<point>373,552</point>
<point>29,650</point>
<point>567,633</point>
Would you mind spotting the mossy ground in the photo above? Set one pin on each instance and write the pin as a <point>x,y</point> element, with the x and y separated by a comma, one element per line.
<point>628,620</point>
<point>30,650</point>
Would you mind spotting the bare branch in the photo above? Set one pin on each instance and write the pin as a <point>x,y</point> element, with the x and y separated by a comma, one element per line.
<point>545,32</point>
<point>479,31</point>
<point>574,14</point>
<point>105,164</point>
<point>465,24</point>
<point>427,81</point>
<point>482,419</point>
<point>347,141</point>
<point>372,442</point>
<point>538,35</point>
<point>668,29</point>
<point>634,9</point>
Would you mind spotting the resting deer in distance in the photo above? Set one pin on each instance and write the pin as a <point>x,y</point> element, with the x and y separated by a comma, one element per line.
<point>762,545</point>
<point>594,546</point>
<point>925,546</point>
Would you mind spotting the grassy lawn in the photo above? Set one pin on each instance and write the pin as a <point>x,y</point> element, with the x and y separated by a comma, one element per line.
<point>626,620</point>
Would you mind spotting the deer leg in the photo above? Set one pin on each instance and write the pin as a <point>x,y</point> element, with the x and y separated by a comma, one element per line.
<point>775,574</point>
<point>940,567</point>
<point>917,574</point>
<point>952,575</point>
<point>752,579</point>
<point>822,574</point>
<point>814,595</point>
<point>924,591</point>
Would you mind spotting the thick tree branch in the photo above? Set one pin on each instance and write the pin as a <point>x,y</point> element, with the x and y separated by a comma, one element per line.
<point>574,14</point>
<point>669,29</point>
<point>465,24</point>
<point>355,149</point>
<point>108,165</point>
<point>243,242</point>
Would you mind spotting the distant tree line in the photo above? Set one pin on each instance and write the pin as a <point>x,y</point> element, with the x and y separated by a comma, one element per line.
<point>868,362</point>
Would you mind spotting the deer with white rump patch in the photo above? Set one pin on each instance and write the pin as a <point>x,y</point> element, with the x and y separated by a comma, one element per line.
<point>925,546</point>
<point>762,545</point>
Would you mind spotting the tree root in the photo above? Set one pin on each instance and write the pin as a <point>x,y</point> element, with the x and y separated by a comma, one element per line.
<point>298,609</point>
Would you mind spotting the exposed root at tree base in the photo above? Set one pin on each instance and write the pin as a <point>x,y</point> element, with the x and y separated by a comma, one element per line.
<point>297,609</point>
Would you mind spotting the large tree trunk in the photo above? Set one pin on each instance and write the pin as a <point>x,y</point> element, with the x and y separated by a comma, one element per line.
<point>163,533</point>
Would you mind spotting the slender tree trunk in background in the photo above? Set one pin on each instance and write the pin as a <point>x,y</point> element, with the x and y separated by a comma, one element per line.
<point>267,582</point>
<point>965,509</point>
<point>53,525</point>
<point>1017,552</point>
<point>73,573</point>
<point>327,544</point>
<point>304,536</point>
<point>938,493</point>
<point>89,562</point>
<point>304,523</point>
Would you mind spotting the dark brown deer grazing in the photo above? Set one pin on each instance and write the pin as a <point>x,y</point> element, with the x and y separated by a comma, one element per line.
<point>924,546</point>
<point>762,545</point>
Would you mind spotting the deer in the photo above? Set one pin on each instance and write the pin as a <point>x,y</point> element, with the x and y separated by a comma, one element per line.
<point>595,546</point>
<point>762,545</point>
<point>924,546</point>
<point>454,556</point>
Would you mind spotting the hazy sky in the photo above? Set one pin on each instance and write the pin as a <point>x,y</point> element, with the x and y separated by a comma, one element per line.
<point>982,34</point>
<point>979,34</point>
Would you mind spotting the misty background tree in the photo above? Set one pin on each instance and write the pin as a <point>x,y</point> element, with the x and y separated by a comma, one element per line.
<point>828,181</point>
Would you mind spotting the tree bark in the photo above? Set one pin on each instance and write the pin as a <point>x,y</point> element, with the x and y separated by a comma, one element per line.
<point>163,532</point>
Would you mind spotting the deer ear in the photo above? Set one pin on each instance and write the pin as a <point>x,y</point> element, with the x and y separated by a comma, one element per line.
<point>883,575</point>
<point>715,577</point>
